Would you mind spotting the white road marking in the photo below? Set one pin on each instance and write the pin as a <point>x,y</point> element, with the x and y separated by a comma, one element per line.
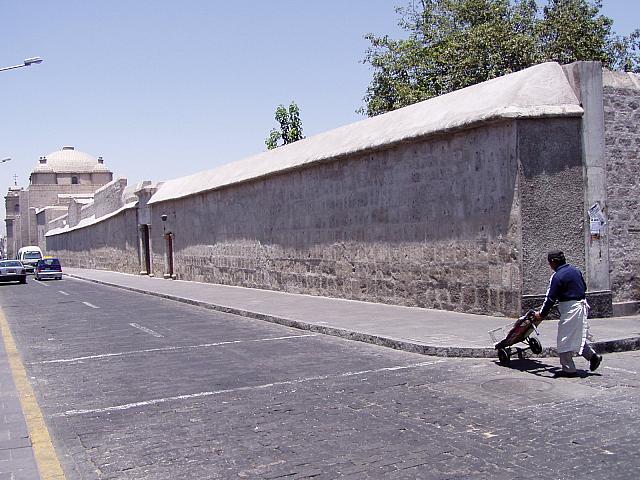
<point>147,330</point>
<point>90,305</point>
<point>167,349</point>
<point>156,401</point>
<point>622,370</point>
<point>63,293</point>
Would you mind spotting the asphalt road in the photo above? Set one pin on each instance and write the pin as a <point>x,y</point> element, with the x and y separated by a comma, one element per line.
<point>138,387</point>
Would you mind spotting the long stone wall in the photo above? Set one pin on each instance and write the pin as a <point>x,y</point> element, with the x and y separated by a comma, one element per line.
<point>432,224</point>
<point>622,150</point>
<point>459,220</point>
<point>111,244</point>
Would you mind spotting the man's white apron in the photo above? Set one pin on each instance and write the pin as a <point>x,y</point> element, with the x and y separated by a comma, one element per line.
<point>573,329</point>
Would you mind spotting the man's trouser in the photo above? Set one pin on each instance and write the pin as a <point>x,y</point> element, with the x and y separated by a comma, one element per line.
<point>566,358</point>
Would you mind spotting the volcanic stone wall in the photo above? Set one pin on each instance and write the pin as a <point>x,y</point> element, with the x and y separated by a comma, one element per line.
<point>111,244</point>
<point>460,221</point>
<point>432,223</point>
<point>622,150</point>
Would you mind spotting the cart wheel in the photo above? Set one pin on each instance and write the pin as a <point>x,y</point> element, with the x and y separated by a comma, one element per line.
<point>536,346</point>
<point>503,357</point>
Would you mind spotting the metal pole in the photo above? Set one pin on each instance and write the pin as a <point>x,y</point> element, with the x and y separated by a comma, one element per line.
<point>28,62</point>
<point>11,68</point>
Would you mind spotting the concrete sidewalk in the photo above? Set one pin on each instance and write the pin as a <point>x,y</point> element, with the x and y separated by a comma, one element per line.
<point>418,330</point>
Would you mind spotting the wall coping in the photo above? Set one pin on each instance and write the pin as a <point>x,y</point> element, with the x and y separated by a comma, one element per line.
<point>86,222</point>
<point>615,79</point>
<point>536,92</point>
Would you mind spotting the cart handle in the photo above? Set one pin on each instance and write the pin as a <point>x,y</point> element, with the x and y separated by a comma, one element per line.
<point>530,314</point>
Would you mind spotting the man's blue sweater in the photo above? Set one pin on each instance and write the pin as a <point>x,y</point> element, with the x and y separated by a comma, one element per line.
<point>567,283</point>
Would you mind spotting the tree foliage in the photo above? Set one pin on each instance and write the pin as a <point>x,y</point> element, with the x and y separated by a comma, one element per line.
<point>290,126</point>
<point>452,44</point>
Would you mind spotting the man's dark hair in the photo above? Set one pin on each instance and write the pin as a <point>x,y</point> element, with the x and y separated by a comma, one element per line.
<point>556,256</point>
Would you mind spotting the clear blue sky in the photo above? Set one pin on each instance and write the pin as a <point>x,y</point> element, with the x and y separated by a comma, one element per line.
<point>163,89</point>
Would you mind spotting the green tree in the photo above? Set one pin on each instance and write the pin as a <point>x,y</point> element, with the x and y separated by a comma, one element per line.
<point>452,44</point>
<point>573,30</point>
<point>625,52</point>
<point>290,126</point>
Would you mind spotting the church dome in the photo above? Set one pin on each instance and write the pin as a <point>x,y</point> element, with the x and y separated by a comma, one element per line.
<point>70,160</point>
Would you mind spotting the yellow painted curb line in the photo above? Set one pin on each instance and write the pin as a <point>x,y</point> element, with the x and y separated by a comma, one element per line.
<point>48,464</point>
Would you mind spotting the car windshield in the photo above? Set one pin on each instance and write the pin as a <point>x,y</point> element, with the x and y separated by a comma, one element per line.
<point>32,255</point>
<point>10,263</point>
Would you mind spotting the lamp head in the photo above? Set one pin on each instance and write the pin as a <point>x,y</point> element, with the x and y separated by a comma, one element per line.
<point>32,60</point>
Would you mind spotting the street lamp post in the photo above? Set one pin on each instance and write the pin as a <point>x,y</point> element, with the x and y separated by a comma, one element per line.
<point>26,63</point>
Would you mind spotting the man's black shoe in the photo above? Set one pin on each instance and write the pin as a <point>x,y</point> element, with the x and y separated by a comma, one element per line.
<point>565,374</point>
<point>594,363</point>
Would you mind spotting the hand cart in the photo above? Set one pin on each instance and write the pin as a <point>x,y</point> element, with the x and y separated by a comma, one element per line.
<point>519,332</point>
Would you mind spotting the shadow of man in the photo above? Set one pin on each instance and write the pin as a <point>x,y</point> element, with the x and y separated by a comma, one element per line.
<point>536,366</point>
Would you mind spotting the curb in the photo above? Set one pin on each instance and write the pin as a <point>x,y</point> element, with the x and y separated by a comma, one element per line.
<point>608,346</point>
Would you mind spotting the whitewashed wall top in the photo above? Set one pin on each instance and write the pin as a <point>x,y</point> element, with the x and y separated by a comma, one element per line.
<point>539,91</point>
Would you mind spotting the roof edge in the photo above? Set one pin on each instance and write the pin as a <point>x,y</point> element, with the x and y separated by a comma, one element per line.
<point>540,91</point>
<point>569,111</point>
<point>87,222</point>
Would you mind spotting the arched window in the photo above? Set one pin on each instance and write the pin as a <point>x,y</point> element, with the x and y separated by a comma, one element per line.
<point>16,208</point>
<point>74,180</point>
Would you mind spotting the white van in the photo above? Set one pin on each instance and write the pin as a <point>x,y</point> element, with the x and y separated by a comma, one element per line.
<point>29,257</point>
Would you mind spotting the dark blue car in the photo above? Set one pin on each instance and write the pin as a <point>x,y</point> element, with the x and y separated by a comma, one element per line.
<point>48,268</point>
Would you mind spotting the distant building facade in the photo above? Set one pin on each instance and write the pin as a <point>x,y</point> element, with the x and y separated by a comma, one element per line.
<point>58,178</point>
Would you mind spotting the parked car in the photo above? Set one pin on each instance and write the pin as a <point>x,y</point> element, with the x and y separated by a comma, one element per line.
<point>29,257</point>
<point>12,271</point>
<point>48,268</point>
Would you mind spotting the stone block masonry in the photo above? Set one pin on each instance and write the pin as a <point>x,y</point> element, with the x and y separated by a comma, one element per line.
<point>432,224</point>
<point>622,150</point>
<point>111,244</point>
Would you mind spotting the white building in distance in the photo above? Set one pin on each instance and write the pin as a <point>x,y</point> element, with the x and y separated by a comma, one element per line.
<point>57,178</point>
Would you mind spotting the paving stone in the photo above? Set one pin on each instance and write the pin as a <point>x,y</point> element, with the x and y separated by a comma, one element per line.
<point>304,407</point>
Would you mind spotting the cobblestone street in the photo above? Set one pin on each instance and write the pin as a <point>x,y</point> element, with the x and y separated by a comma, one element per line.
<point>181,392</point>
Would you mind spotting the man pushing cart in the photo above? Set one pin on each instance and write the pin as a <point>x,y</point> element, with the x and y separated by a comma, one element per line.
<point>568,288</point>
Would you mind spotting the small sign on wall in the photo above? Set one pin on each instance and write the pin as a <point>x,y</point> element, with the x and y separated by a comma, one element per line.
<point>597,221</point>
